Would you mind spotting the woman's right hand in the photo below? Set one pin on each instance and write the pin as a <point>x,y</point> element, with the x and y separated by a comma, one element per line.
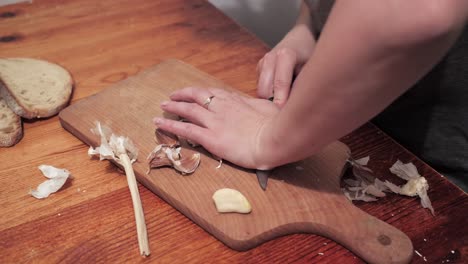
<point>277,67</point>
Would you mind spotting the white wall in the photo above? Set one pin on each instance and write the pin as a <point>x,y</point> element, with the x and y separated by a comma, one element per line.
<point>268,19</point>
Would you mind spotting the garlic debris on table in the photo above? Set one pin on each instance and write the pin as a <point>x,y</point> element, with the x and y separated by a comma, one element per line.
<point>416,185</point>
<point>57,178</point>
<point>368,188</point>
<point>231,201</point>
<point>169,153</point>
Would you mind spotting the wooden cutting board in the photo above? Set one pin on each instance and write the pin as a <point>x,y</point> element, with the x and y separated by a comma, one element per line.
<point>301,197</point>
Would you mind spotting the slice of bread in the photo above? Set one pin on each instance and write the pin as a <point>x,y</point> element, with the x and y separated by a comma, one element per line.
<point>34,88</point>
<point>11,130</point>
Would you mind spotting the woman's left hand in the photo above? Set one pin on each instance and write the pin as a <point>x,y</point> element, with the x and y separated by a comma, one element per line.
<point>227,124</point>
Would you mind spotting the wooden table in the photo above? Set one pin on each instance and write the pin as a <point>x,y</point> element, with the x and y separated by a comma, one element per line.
<point>91,218</point>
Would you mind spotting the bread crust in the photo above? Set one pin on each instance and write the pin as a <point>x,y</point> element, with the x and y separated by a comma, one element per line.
<point>35,112</point>
<point>8,139</point>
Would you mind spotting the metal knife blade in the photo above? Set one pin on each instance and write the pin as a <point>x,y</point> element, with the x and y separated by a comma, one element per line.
<point>262,177</point>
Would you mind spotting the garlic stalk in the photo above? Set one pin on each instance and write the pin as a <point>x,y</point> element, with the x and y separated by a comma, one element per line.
<point>122,150</point>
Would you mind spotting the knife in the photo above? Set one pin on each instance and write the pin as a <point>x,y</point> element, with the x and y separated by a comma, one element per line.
<point>262,177</point>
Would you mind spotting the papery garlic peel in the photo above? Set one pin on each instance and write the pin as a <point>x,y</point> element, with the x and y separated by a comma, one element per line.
<point>57,178</point>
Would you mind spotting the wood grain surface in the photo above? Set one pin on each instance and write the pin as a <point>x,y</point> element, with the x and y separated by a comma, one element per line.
<point>301,197</point>
<point>91,218</point>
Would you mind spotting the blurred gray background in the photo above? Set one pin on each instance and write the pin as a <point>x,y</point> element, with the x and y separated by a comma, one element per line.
<point>267,19</point>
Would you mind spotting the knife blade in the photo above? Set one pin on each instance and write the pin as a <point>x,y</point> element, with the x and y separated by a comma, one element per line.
<point>262,177</point>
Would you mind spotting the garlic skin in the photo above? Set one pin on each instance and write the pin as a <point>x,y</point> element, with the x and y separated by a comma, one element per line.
<point>368,188</point>
<point>111,145</point>
<point>231,201</point>
<point>57,178</point>
<point>416,185</point>
<point>169,153</point>
<point>166,138</point>
<point>405,171</point>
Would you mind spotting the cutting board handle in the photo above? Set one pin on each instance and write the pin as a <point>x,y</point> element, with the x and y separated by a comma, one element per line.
<point>368,237</point>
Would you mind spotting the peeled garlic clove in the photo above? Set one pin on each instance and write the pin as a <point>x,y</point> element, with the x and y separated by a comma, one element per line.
<point>166,138</point>
<point>231,201</point>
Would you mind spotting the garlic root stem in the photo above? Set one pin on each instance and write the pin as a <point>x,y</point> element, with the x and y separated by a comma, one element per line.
<point>137,208</point>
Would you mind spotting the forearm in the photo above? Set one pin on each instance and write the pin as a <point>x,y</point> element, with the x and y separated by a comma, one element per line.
<point>357,69</point>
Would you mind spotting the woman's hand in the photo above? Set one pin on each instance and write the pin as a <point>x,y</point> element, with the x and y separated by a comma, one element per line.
<point>277,68</point>
<point>227,124</point>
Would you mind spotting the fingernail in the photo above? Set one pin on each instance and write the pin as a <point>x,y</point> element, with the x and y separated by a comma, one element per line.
<point>164,103</point>
<point>157,120</point>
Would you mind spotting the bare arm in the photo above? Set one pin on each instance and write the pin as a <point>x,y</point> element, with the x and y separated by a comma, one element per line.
<point>369,53</point>
<point>277,67</point>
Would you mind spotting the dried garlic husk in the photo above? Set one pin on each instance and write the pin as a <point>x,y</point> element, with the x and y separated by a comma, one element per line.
<point>405,171</point>
<point>166,138</point>
<point>57,178</point>
<point>416,185</point>
<point>364,188</point>
<point>169,153</point>
<point>231,201</point>
<point>158,158</point>
<point>111,145</point>
<point>367,188</point>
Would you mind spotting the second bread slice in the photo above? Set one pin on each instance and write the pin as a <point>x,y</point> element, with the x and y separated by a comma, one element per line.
<point>34,88</point>
<point>11,130</point>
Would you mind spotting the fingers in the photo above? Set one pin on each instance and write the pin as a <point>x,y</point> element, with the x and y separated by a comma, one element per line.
<point>265,79</point>
<point>192,95</point>
<point>186,130</point>
<point>284,71</point>
<point>190,111</point>
<point>276,70</point>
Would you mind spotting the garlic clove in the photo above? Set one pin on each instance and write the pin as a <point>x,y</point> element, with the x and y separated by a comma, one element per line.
<point>166,138</point>
<point>158,158</point>
<point>188,162</point>
<point>231,201</point>
<point>185,161</point>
